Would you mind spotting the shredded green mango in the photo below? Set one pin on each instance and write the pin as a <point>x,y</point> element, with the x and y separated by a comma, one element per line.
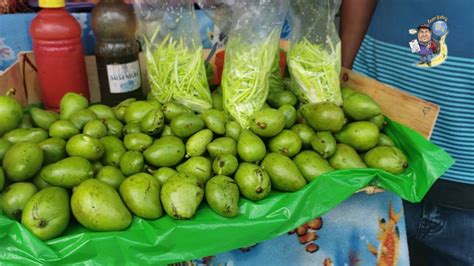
<point>245,79</point>
<point>177,73</point>
<point>315,72</point>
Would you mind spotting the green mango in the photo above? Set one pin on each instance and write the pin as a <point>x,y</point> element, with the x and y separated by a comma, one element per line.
<point>232,130</point>
<point>84,146</point>
<point>39,182</point>
<point>223,145</point>
<point>225,164</point>
<point>197,166</point>
<point>119,109</point>
<point>300,119</point>
<point>71,103</point>
<point>166,131</point>
<point>311,165</point>
<point>131,128</point>
<point>196,145</point>
<point>96,165</point>
<point>287,83</point>
<point>267,122</point>
<point>131,163</point>
<point>346,91</point>
<point>215,120</point>
<point>385,140</point>
<point>181,196</point>
<point>2,180</point>
<point>47,213</point>
<point>153,122</point>
<point>95,129</point>
<point>171,110</point>
<point>4,147</point>
<point>63,129</point>
<point>11,113</point>
<point>166,151</point>
<point>280,98</point>
<point>98,206</point>
<point>54,149</point>
<point>379,121</point>
<point>26,121</point>
<point>81,117</point>
<point>283,172</point>
<point>222,195</point>
<point>15,197</point>
<point>324,143</point>
<point>141,195</point>
<point>305,133</point>
<point>110,175</point>
<point>387,158</point>
<point>19,135</point>
<point>290,114</point>
<point>360,106</point>
<point>113,150</point>
<point>102,111</point>
<point>137,110</point>
<point>185,125</point>
<point>22,161</point>
<point>287,143</point>
<point>155,103</point>
<point>43,118</point>
<point>346,157</point>
<point>151,97</point>
<point>250,147</point>
<point>137,141</point>
<point>253,182</point>
<point>217,101</point>
<point>162,174</point>
<point>325,116</point>
<point>68,172</point>
<point>360,135</point>
<point>114,127</point>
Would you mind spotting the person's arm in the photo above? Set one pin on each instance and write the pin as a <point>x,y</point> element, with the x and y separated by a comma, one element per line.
<point>355,19</point>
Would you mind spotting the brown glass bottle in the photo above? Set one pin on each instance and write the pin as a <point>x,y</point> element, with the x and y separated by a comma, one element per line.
<point>116,49</point>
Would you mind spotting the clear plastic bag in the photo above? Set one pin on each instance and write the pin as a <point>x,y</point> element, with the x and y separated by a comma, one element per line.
<point>173,49</point>
<point>314,54</point>
<point>250,52</point>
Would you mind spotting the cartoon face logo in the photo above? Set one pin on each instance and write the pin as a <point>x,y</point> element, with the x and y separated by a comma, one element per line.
<point>424,35</point>
<point>430,43</point>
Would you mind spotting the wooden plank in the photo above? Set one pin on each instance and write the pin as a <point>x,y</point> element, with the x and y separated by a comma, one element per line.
<point>400,106</point>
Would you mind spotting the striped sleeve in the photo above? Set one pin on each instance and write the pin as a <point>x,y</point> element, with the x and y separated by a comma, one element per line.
<point>450,85</point>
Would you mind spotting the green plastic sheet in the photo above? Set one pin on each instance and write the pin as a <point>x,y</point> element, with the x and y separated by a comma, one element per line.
<point>166,240</point>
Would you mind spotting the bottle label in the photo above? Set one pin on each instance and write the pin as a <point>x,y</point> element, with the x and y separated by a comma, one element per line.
<point>124,77</point>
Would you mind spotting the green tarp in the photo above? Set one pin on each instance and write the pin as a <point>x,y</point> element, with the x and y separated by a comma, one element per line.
<point>166,240</point>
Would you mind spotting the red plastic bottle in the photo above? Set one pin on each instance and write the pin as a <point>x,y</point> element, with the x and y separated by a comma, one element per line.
<point>58,52</point>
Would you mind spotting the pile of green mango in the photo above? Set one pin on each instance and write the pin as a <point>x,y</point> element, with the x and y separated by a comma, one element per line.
<point>104,164</point>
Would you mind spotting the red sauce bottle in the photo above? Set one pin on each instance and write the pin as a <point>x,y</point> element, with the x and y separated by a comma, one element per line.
<point>58,52</point>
